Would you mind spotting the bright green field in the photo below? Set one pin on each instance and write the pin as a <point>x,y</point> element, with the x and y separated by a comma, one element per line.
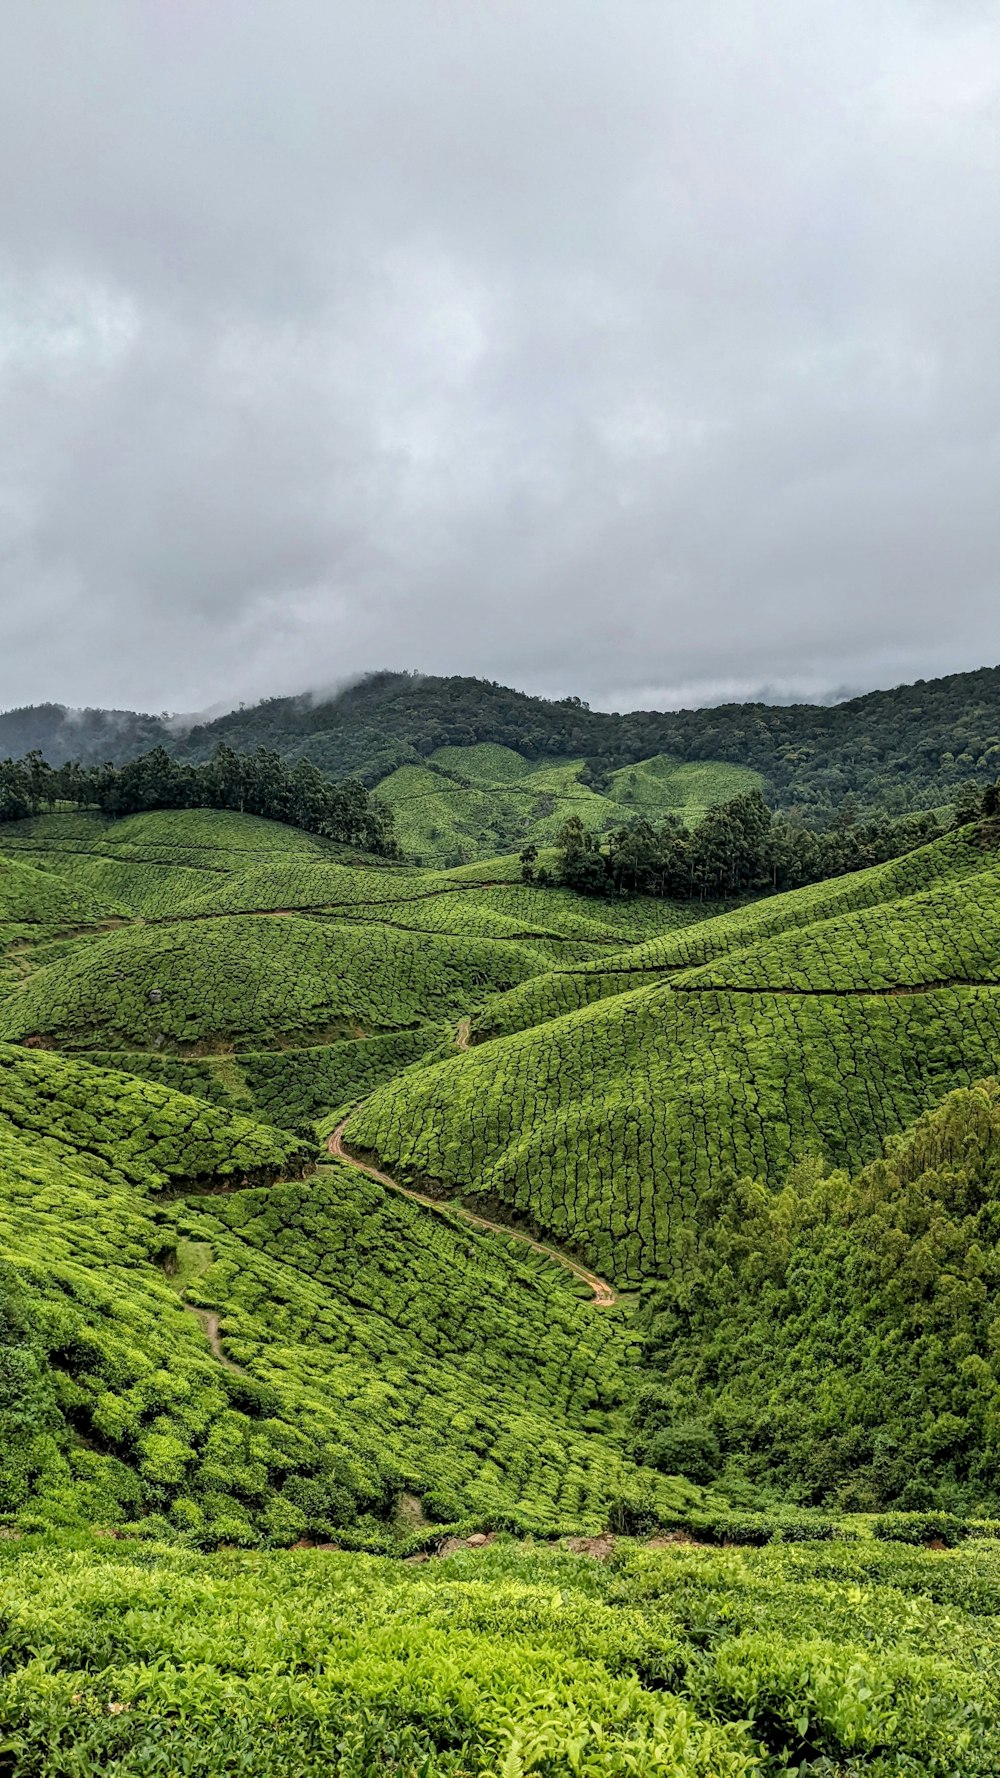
<point>486,798</point>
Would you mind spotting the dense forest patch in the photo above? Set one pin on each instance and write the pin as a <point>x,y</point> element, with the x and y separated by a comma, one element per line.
<point>836,1338</point>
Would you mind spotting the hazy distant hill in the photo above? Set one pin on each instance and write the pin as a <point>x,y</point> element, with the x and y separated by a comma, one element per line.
<point>891,749</point>
<point>91,736</point>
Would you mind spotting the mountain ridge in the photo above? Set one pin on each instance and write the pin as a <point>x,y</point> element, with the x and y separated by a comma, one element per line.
<point>893,749</point>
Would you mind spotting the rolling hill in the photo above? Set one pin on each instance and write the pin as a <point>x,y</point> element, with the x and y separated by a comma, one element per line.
<point>467,1228</point>
<point>616,1091</point>
<point>468,802</point>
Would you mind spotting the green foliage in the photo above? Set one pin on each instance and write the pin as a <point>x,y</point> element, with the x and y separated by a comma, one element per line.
<point>194,1348</point>
<point>948,933</point>
<point>29,1413</point>
<point>361,1346</point>
<point>247,981</point>
<point>426,1326</point>
<point>660,786</point>
<point>913,746</point>
<point>297,1087</point>
<point>38,897</point>
<point>211,1079</point>
<point>260,783</point>
<point>738,848</point>
<point>935,1528</point>
<point>463,803</point>
<point>837,1340</point>
<point>673,1663</point>
<point>129,1131</point>
<point>603,1126</point>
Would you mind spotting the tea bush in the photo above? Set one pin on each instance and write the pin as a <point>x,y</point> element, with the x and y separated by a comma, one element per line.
<point>137,1132</point>
<point>604,1127</point>
<point>366,1347</point>
<point>298,1087</point>
<point>675,1663</point>
<point>247,982</point>
<point>464,802</point>
<point>35,896</point>
<point>946,934</point>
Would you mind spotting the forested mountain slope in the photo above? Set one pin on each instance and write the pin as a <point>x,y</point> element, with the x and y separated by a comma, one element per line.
<point>889,750</point>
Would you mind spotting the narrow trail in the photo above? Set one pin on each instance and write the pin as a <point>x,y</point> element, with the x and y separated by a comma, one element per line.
<point>208,1321</point>
<point>462,1035</point>
<point>603,1296</point>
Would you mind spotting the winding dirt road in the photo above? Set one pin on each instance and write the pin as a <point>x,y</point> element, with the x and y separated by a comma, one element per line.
<point>603,1296</point>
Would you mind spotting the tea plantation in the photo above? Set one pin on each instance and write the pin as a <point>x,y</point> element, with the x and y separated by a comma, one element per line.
<point>464,802</point>
<point>731,1514</point>
<point>677,1662</point>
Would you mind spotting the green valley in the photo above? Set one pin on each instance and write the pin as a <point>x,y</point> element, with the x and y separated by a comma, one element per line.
<point>589,1292</point>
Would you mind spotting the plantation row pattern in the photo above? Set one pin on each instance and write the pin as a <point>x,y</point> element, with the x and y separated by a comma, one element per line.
<point>600,1129</point>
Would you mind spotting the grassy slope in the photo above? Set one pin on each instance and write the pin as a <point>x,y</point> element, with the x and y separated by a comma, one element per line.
<point>487,798</point>
<point>945,934</point>
<point>247,981</point>
<point>661,786</point>
<point>938,868</point>
<point>602,1126</point>
<point>490,1384</point>
<point>200,966</point>
<point>380,1347</point>
<point>136,1133</point>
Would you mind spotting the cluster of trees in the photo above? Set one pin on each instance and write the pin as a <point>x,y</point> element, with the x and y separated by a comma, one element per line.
<point>259,783</point>
<point>834,1339</point>
<point>741,848</point>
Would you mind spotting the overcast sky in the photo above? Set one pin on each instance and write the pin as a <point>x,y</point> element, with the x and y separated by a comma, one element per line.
<point>642,349</point>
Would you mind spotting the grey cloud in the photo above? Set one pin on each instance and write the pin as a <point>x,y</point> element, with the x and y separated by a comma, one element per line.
<point>640,350</point>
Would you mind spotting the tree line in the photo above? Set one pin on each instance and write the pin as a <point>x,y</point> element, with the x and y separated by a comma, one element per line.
<point>258,783</point>
<point>741,848</point>
<point>891,751</point>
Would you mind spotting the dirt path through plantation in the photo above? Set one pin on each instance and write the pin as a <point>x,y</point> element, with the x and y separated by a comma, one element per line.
<point>208,1320</point>
<point>462,1037</point>
<point>603,1296</point>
